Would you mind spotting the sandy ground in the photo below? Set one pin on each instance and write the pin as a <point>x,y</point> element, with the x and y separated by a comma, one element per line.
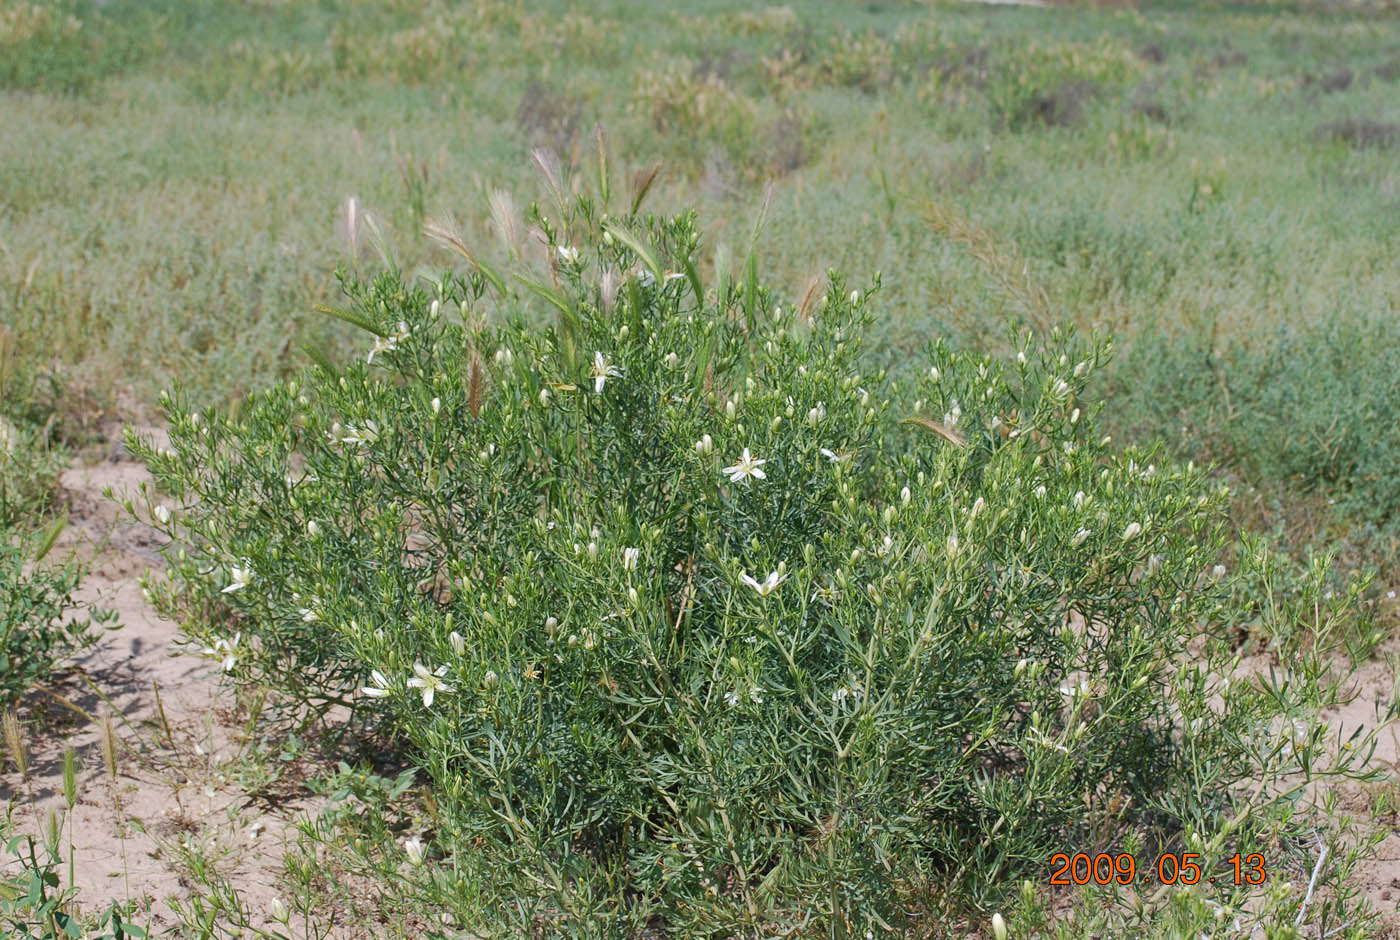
<point>177,793</point>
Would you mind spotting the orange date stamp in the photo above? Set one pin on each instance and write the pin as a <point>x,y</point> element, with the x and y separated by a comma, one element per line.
<point>1171,868</point>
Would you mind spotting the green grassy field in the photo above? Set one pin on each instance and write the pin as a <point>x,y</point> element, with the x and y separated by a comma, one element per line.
<point>1215,185</point>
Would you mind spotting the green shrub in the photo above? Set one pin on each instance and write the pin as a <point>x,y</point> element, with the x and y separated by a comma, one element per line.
<point>65,45</point>
<point>698,625</point>
<point>1316,407</point>
<point>34,599</point>
<point>28,473</point>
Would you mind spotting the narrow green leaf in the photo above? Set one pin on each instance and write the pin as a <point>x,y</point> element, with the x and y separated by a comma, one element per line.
<point>51,535</point>
<point>554,299</point>
<point>704,354</point>
<point>490,274</point>
<point>604,189</point>
<point>640,250</point>
<point>693,276</point>
<point>751,287</point>
<point>354,319</point>
<point>319,357</point>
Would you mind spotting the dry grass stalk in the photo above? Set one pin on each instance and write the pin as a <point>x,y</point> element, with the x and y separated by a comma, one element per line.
<point>109,746</point>
<point>474,383</point>
<point>14,741</point>
<point>938,428</point>
<point>1002,260</point>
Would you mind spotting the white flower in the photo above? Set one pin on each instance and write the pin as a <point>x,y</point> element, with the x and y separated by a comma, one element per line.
<point>1131,531</point>
<point>815,415</point>
<point>731,698</point>
<point>1040,491</point>
<point>1218,571</point>
<point>1075,691</point>
<point>747,466</point>
<point>767,586</point>
<point>429,681</point>
<point>905,496</point>
<point>977,508</point>
<point>629,558</point>
<point>312,529</point>
<point>1079,537</point>
<point>833,456</point>
<point>602,371</point>
<point>380,689</point>
<point>279,911</point>
<point>365,435</point>
<point>415,850</point>
<point>567,254</point>
<point>382,344</point>
<point>309,615</point>
<point>459,645</point>
<point>242,577</point>
<point>437,405</point>
<point>1080,499</point>
<point>1390,595</point>
<point>388,343</point>
<point>756,695</point>
<point>226,651</point>
<point>672,360</point>
<point>490,679</point>
<point>704,446</point>
<point>162,515</point>
<point>998,927</point>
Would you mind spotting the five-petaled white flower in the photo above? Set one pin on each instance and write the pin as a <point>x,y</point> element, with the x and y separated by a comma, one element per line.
<point>602,371</point>
<point>388,343</point>
<point>731,698</point>
<point>767,586</point>
<point>365,435</point>
<point>226,651</point>
<point>430,681</point>
<point>380,689</point>
<point>242,577</point>
<point>567,254</point>
<point>629,558</point>
<point>748,466</point>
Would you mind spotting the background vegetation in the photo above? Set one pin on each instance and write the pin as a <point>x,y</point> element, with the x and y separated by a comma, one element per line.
<point>1214,184</point>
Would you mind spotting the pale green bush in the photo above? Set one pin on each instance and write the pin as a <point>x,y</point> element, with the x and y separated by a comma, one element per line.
<point>700,625</point>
